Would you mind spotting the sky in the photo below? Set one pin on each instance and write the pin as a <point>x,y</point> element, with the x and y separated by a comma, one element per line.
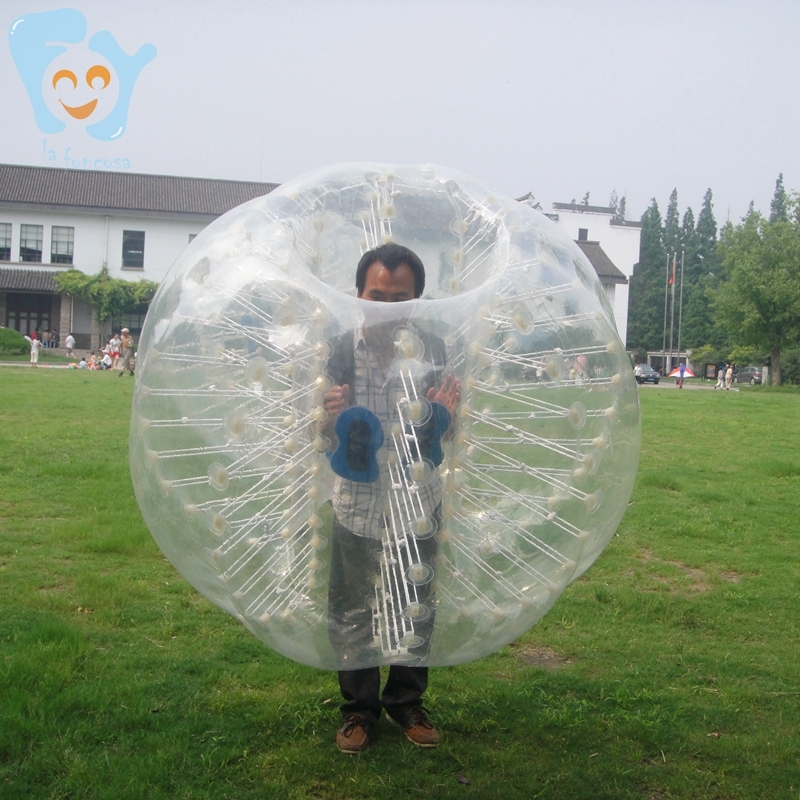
<point>556,98</point>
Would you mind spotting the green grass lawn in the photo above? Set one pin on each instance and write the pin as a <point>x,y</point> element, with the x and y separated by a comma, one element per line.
<point>45,357</point>
<point>670,670</point>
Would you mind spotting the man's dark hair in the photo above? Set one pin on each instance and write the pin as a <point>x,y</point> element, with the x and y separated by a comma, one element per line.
<point>391,256</point>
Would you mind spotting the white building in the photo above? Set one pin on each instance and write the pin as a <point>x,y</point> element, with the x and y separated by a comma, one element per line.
<point>610,244</point>
<point>133,225</point>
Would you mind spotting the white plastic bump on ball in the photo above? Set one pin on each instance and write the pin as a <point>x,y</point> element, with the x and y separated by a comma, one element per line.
<point>422,527</point>
<point>577,415</point>
<point>481,515</point>
<point>256,370</point>
<point>286,315</point>
<point>554,366</point>
<point>235,425</point>
<point>419,574</point>
<point>218,476</point>
<point>416,612</point>
<point>411,640</point>
<point>420,471</point>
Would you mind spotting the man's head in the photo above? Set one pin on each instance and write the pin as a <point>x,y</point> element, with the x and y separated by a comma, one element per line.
<point>390,273</point>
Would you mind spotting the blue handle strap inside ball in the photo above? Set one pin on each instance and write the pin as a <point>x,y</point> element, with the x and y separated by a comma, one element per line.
<point>430,434</point>
<point>360,437</point>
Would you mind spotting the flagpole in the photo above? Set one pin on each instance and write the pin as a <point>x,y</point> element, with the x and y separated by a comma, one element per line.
<point>672,315</point>
<point>666,295</point>
<point>680,307</point>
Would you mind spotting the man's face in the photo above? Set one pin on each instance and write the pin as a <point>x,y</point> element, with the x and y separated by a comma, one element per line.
<point>388,286</point>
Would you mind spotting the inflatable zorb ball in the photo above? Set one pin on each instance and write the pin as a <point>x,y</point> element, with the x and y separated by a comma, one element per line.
<point>396,532</point>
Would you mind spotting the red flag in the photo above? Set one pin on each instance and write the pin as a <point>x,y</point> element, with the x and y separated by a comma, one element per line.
<point>672,277</point>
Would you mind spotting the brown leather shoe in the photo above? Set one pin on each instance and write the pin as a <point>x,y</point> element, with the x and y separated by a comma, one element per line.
<point>418,728</point>
<point>353,736</point>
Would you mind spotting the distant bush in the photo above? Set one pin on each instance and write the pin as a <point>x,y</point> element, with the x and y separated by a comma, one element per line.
<point>790,365</point>
<point>13,343</point>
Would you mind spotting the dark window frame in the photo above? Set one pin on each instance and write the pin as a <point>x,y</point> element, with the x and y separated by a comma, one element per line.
<point>68,245</point>
<point>28,254</point>
<point>5,241</point>
<point>133,249</point>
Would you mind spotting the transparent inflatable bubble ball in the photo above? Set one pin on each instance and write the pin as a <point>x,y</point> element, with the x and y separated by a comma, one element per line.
<point>363,482</point>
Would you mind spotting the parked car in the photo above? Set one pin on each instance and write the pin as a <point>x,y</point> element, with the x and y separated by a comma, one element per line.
<point>751,375</point>
<point>646,374</point>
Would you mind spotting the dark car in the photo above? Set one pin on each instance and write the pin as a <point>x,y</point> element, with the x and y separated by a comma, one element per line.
<point>646,374</point>
<point>751,375</point>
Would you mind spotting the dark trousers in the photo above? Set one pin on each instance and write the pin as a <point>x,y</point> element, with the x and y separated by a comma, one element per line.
<point>361,690</point>
<point>355,563</point>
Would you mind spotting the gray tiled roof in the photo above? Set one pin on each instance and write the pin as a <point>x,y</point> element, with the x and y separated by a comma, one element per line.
<point>603,265</point>
<point>582,207</point>
<point>124,191</point>
<point>27,280</point>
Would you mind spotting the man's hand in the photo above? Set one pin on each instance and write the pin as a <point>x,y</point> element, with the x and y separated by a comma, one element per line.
<point>448,394</point>
<point>335,400</point>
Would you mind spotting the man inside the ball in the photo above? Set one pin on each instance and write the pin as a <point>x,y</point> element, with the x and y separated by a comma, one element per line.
<point>378,387</point>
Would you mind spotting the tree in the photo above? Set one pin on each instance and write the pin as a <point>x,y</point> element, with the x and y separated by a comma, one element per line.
<point>672,226</point>
<point>617,205</point>
<point>759,300</point>
<point>585,201</point>
<point>646,297</point>
<point>779,207</point>
<point>689,236</point>
<point>702,277</point>
<point>111,297</point>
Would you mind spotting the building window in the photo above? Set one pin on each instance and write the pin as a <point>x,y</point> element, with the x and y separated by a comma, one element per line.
<point>28,312</point>
<point>583,234</point>
<point>134,321</point>
<point>192,237</point>
<point>133,249</point>
<point>30,243</point>
<point>5,241</point>
<point>61,244</point>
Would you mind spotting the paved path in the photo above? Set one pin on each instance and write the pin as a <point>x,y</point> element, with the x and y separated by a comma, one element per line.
<point>669,383</point>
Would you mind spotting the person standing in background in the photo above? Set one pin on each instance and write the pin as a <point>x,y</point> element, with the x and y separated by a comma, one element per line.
<point>114,344</point>
<point>35,345</point>
<point>128,349</point>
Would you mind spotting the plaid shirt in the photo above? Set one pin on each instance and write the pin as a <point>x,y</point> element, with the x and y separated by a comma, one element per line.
<point>360,507</point>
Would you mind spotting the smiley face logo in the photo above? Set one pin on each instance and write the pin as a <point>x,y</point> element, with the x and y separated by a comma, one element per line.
<point>90,83</point>
<point>79,87</point>
<point>97,73</point>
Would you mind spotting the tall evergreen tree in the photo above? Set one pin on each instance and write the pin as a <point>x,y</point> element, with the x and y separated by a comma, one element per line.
<point>698,326</point>
<point>687,268</point>
<point>617,205</point>
<point>779,207</point>
<point>688,236</point>
<point>646,298</point>
<point>707,233</point>
<point>672,226</point>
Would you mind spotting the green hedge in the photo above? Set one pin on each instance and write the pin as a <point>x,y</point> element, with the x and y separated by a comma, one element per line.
<point>12,342</point>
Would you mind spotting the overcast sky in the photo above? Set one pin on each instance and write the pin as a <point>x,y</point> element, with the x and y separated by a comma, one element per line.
<point>558,98</point>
